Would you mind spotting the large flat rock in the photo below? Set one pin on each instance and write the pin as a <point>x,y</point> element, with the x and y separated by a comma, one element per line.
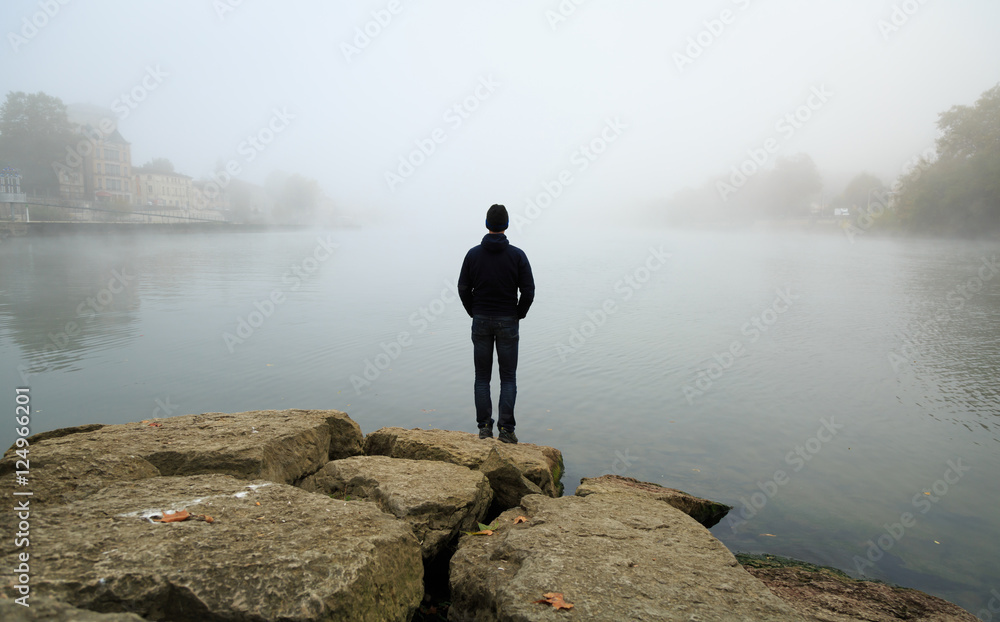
<point>273,552</point>
<point>49,610</point>
<point>706,512</point>
<point>614,556</point>
<point>276,445</point>
<point>437,499</point>
<point>540,465</point>
<point>62,475</point>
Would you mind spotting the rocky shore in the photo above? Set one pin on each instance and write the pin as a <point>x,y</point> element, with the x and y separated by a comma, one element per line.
<point>297,516</point>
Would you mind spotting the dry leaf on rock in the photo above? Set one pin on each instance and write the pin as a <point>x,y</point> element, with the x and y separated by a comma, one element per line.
<point>520,519</point>
<point>172,517</point>
<point>556,600</point>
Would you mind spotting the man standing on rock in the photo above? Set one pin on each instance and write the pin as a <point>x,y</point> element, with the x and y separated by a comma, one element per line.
<point>491,276</point>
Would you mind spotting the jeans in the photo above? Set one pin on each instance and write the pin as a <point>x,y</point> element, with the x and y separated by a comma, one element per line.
<point>502,331</point>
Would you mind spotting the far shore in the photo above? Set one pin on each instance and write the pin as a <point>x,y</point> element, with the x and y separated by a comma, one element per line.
<point>45,228</point>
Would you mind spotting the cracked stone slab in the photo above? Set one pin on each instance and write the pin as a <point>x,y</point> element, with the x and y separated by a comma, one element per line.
<point>539,464</point>
<point>437,499</point>
<point>614,556</point>
<point>706,512</point>
<point>272,552</point>
<point>277,445</point>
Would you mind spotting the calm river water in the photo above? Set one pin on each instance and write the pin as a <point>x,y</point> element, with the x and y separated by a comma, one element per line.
<point>857,424</point>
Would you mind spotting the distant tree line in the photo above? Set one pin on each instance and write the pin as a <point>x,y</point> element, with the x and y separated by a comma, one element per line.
<point>751,192</point>
<point>958,191</point>
<point>955,191</point>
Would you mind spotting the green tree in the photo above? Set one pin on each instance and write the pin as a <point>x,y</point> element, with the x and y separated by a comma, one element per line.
<point>958,192</point>
<point>864,187</point>
<point>968,132</point>
<point>34,134</point>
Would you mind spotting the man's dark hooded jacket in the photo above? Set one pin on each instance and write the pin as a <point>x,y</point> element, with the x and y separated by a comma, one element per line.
<point>492,273</point>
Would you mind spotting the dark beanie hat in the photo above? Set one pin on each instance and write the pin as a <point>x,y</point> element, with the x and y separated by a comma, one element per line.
<point>496,218</point>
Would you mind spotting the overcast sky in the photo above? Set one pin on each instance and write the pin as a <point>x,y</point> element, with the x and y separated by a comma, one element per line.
<point>679,90</point>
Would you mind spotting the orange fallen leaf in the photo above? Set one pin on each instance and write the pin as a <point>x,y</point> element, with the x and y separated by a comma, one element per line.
<point>156,425</point>
<point>258,503</point>
<point>520,519</point>
<point>173,517</point>
<point>484,532</point>
<point>556,600</point>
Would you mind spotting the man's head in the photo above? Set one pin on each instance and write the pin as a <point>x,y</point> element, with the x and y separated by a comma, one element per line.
<point>496,218</point>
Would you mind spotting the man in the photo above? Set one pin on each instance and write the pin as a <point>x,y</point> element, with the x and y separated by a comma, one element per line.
<point>491,276</point>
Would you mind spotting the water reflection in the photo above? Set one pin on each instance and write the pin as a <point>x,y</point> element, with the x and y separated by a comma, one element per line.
<point>614,404</point>
<point>64,300</point>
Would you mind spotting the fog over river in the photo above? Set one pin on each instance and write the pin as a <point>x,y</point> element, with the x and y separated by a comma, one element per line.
<point>680,175</point>
<point>842,396</point>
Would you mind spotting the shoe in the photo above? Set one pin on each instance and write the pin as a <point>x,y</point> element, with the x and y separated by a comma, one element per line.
<point>508,436</point>
<point>486,432</point>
